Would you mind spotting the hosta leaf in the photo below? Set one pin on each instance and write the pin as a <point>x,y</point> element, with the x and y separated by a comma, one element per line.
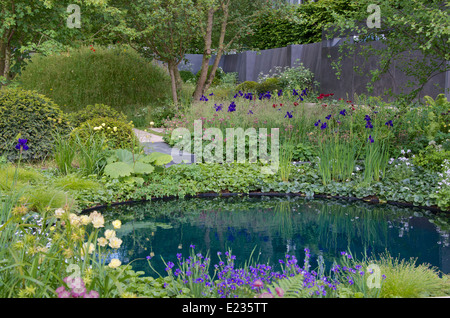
<point>118,169</point>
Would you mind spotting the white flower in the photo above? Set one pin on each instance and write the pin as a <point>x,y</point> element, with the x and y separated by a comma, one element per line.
<point>59,212</point>
<point>115,263</point>
<point>97,219</point>
<point>102,241</point>
<point>90,249</point>
<point>115,242</point>
<point>85,220</point>
<point>74,219</point>
<point>109,234</point>
<point>117,224</point>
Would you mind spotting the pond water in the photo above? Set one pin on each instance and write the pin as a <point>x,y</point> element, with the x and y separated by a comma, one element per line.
<point>268,228</point>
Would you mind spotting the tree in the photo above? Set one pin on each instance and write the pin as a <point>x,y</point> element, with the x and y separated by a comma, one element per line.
<point>163,29</point>
<point>405,26</point>
<point>31,25</point>
<point>232,20</point>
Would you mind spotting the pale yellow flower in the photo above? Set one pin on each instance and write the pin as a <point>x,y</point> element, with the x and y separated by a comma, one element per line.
<point>117,224</point>
<point>115,128</point>
<point>90,249</point>
<point>74,219</point>
<point>115,263</point>
<point>97,219</point>
<point>115,242</point>
<point>59,212</point>
<point>109,234</point>
<point>102,241</point>
<point>85,220</point>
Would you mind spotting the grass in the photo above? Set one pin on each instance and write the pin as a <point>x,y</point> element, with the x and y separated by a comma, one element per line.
<point>406,279</point>
<point>117,77</point>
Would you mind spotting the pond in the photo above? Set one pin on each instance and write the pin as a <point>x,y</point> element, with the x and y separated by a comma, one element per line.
<point>265,229</point>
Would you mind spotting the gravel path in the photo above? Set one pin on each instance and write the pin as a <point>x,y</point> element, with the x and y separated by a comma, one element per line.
<point>155,143</point>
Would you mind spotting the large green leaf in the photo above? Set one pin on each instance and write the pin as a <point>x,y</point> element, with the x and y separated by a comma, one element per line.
<point>143,168</point>
<point>157,158</point>
<point>118,169</point>
<point>124,155</point>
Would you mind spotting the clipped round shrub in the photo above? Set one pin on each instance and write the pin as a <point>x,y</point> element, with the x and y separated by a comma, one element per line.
<point>247,87</point>
<point>117,133</point>
<point>271,84</point>
<point>35,117</point>
<point>95,111</point>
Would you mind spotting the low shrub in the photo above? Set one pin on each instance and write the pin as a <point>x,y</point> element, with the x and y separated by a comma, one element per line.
<point>247,87</point>
<point>35,117</point>
<point>93,112</point>
<point>118,134</point>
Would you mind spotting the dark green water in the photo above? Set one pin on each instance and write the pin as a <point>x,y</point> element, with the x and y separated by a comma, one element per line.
<point>275,226</point>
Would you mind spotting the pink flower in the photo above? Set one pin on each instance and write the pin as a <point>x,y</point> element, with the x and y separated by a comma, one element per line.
<point>92,294</point>
<point>258,283</point>
<point>280,291</point>
<point>265,295</point>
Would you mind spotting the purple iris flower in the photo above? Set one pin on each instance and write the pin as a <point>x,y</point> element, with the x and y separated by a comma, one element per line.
<point>232,107</point>
<point>288,114</point>
<point>22,144</point>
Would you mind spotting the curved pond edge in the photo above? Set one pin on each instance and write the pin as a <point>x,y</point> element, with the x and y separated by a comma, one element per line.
<point>371,200</point>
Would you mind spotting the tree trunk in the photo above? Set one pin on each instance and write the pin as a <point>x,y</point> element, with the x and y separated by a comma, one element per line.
<point>173,81</point>
<point>2,57</point>
<point>221,48</point>
<point>199,89</point>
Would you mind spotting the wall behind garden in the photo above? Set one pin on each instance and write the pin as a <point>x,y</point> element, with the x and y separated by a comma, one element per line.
<point>315,56</point>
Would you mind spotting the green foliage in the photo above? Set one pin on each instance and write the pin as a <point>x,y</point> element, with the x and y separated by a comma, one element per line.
<point>132,168</point>
<point>217,77</point>
<point>269,85</point>
<point>247,87</point>
<point>187,76</point>
<point>33,116</point>
<point>93,112</point>
<point>417,25</point>
<point>301,25</point>
<point>406,279</point>
<point>303,152</point>
<point>432,157</point>
<point>296,77</point>
<point>116,76</point>
<point>117,134</point>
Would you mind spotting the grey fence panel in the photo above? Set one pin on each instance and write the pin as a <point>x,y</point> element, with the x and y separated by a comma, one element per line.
<point>316,58</point>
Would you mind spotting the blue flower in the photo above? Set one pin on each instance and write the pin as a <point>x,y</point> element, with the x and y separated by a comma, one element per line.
<point>203,98</point>
<point>343,112</point>
<point>389,123</point>
<point>324,125</point>
<point>328,117</point>
<point>22,144</point>
<point>288,114</point>
<point>248,96</point>
<point>294,92</point>
<point>232,107</point>
<point>218,107</point>
<point>280,92</point>
<point>317,123</point>
<point>250,112</point>
<point>370,139</point>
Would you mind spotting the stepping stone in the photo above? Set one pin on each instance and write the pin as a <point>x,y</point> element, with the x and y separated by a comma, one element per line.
<point>155,143</point>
